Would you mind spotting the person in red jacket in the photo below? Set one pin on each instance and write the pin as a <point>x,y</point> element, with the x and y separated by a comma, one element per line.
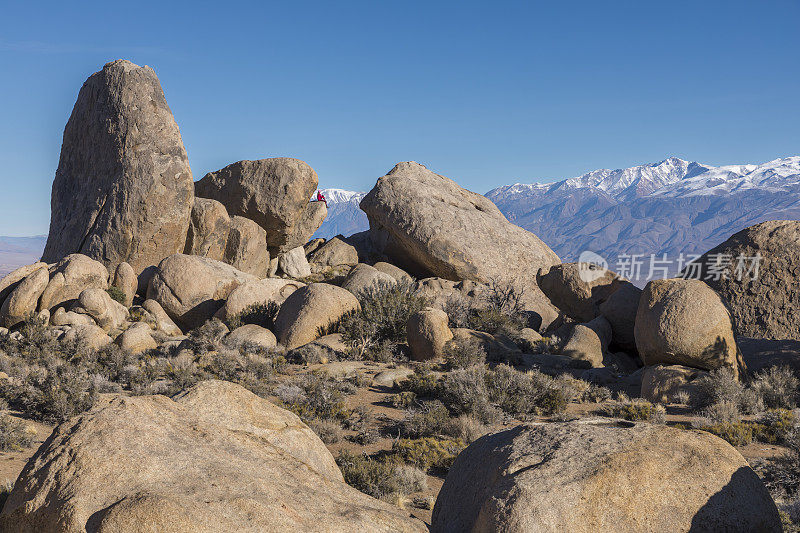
<point>321,198</point>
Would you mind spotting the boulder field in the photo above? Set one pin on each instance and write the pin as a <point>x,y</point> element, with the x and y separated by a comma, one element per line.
<point>152,274</point>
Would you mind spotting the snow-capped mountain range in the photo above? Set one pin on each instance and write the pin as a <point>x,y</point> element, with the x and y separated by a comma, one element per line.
<point>670,207</point>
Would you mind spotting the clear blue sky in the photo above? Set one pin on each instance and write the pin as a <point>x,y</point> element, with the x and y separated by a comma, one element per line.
<point>487,93</point>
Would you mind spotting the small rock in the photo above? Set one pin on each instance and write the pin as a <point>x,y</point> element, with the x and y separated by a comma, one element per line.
<point>294,264</point>
<point>427,333</point>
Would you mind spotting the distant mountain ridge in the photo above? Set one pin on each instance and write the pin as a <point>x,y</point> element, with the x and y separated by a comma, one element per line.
<point>671,207</point>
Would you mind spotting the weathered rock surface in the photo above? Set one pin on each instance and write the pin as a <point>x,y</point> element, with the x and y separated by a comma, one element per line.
<point>137,338</point>
<point>430,226</point>
<point>251,334</point>
<point>208,232</point>
<point>216,458</point>
<point>294,263</point>
<point>22,301</point>
<point>12,279</point>
<point>261,292</point>
<point>123,189</point>
<point>363,276</point>
<point>396,272</point>
<point>769,305</point>
<point>107,313</point>
<point>311,218</point>
<point>588,342</point>
<point>125,280</point>
<point>427,333</point>
<point>192,288</point>
<point>599,476</point>
<point>662,383</point>
<point>272,192</point>
<point>60,317</point>
<point>90,334</point>
<point>70,277</point>
<point>246,248</point>
<point>333,253</point>
<point>309,311</point>
<point>620,310</point>
<point>578,289</point>
<point>684,322</point>
<point>162,320</point>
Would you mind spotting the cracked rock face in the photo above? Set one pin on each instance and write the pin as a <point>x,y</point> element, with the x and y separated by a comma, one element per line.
<point>123,190</point>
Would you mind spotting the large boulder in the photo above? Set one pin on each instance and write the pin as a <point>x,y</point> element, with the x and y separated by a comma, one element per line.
<point>12,279</point>
<point>251,334</point>
<point>70,277</point>
<point>126,281</point>
<point>266,292</point>
<point>588,342</point>
<point>216,458</point>
<point>363,276</point>
<point>427,333</point>
<point>578,289</point>
<point>21,303</point>
<point>208,231</point>
<point>106,312</point>
<point>136,339</point>
<point>246,248</point>
<point>309,311</point>
<point>192,288</point>
<point>332,254</point>
<point>602,476</point>
<point>430,226</point>
<point>236,240</point>
<point>762,294</point>
<point>272,192</point>
<point>294,263</point>
<point>123,189</point>
<point>684,322</point>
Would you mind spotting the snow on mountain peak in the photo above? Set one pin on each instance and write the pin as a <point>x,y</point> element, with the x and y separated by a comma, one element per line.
<point>337,196</point>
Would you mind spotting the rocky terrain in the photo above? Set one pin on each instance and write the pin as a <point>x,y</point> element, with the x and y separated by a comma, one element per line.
<point>188,356</point>
<point>673,207</point>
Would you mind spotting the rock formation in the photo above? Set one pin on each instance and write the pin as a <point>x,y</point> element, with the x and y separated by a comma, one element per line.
<point>123,189</point>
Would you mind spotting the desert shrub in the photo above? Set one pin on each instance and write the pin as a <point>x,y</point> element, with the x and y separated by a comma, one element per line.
<point>465,428</point>
<point>385,310</point>
<point>366,436</point>
<point>776,426</point>
<point>402,400</point>
<point>410,479</point>
<point>736,433</point>
<point>464,353</point>
<point>208,337</point>
<point>371,476</point>
<point>519,393</point>
<point>54,393</point>
<point>425,420</point>
<point>422,383</point>
<point>777,386</point>
<point>721,412</point>
<point>116,294</point>
<point>634,409</point>
<point>317,395</point>
<point>721,385</point>
<point>328,430</point>
<point>428,452</point>
<point>259,314</point>
<point>464,391</point>
<point>14,434</point>
<point>360,418</point>
<point>499,310</point>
